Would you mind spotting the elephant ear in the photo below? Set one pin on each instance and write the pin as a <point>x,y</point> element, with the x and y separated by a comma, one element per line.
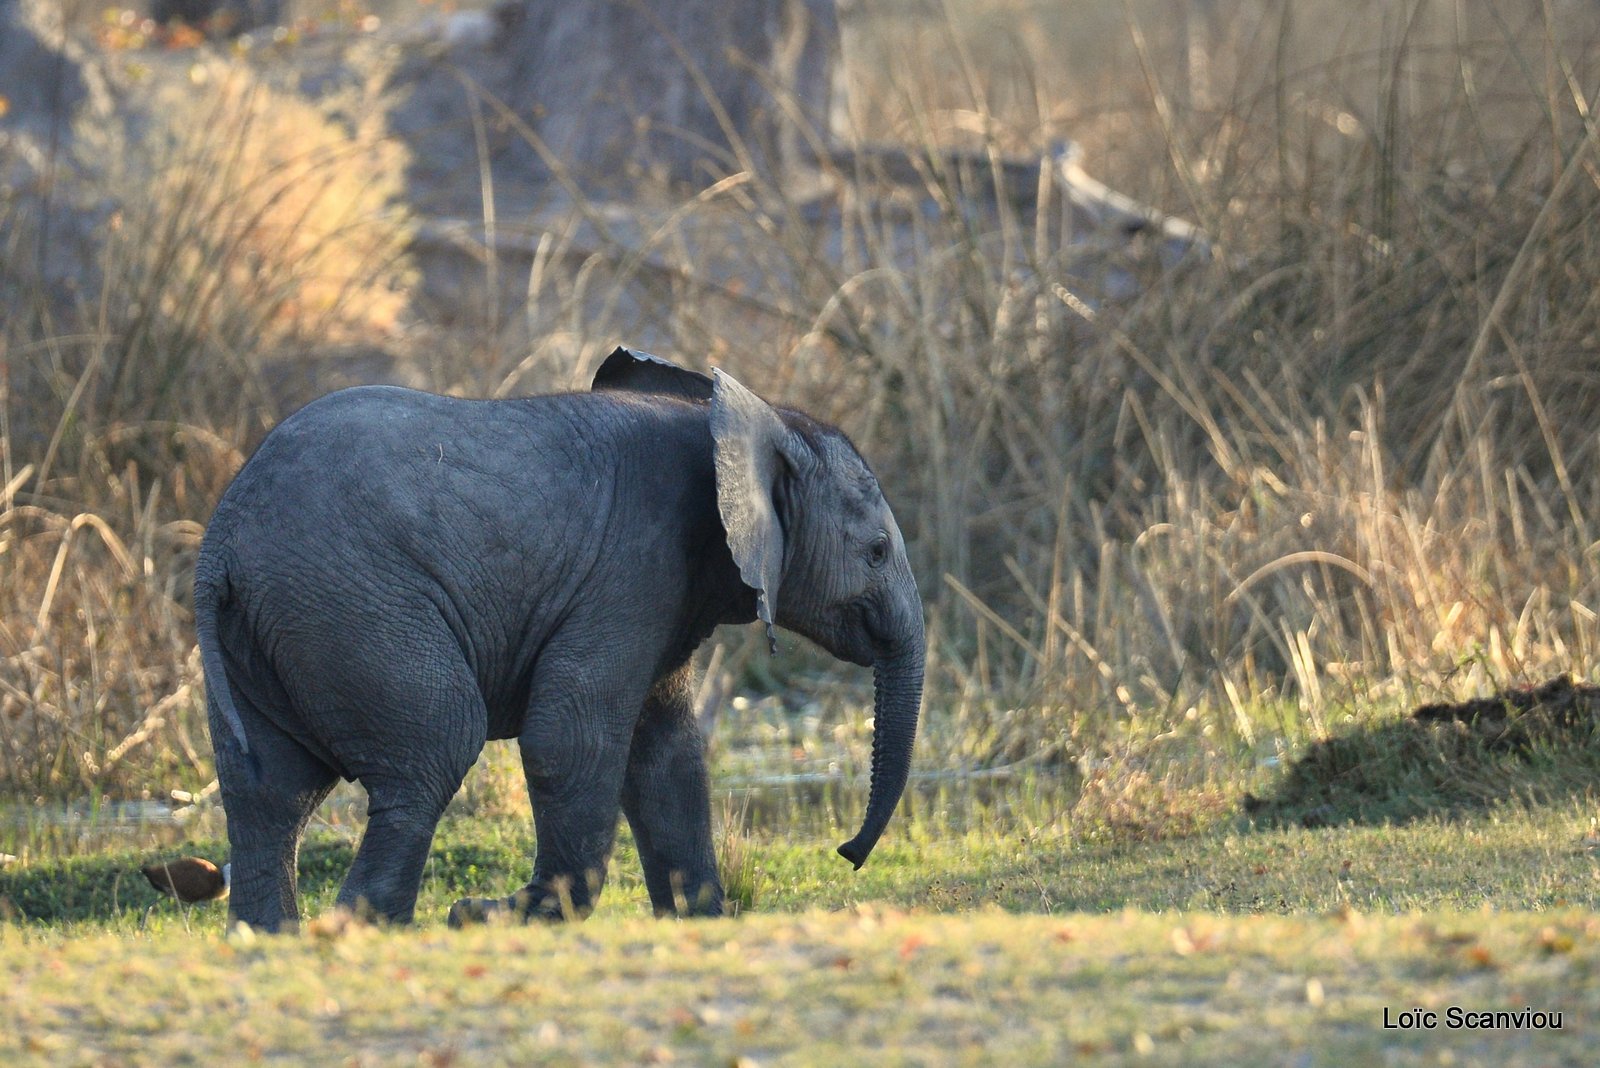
<point>640,372</point>
<point>755,453</point>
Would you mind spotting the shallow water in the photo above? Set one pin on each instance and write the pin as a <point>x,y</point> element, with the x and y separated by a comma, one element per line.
<point>954,800</point>
<point>58,829</point>
<point>825,795</point>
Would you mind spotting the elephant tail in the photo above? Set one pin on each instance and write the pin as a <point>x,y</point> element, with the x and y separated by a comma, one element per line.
<point>211,591</point>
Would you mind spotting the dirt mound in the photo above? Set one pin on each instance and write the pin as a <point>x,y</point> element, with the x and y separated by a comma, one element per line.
<point>1560,712</point>
<point>1531,743</point>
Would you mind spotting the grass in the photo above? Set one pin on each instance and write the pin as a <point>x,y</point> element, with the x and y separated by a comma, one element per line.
<point>814,989</point>
<point>1026,857</point>
<point>953,948</point>
<point>1120,915</point>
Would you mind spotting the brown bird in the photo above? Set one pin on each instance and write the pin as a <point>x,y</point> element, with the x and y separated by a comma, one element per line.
<point>189,879</point>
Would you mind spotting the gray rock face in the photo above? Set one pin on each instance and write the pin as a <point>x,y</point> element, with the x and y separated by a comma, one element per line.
<point>612,92</point>
<point>41,83</point>
<point>44,229</point>
<point>688,85</point>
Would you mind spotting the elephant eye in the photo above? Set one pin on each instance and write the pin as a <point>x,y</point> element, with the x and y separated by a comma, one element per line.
<point>878,553</point>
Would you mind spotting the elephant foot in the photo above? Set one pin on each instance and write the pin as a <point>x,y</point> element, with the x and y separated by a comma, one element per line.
<point>471,911</point>
<point>549,904</point>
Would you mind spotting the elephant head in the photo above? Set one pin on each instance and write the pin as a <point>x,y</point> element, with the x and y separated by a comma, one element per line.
<point>812,535</point>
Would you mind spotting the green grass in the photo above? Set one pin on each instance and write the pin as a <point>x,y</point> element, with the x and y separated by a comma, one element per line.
<point>1136,919</point>
<point>1512,857</point>
<point>1442,822</point>
<point>817,988</point>
<point>1252,946</point>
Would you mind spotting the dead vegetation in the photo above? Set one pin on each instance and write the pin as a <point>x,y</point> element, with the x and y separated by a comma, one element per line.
<point>1525,743</point>
<point>1347,460</point>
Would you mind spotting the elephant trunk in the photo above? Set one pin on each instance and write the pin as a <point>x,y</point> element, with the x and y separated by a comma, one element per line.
<point>897,699</point>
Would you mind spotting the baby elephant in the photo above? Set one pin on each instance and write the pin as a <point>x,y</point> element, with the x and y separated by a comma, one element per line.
<point>396,577</point>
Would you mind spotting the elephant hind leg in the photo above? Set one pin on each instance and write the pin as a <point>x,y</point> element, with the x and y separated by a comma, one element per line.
<point>443,735</point>
<point>267,817</point>
<point>666,796</point>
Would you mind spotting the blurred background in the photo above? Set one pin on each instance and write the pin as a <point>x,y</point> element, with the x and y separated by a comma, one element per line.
<point>1231,365</point>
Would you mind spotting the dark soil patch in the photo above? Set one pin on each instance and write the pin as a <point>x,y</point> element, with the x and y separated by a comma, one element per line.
<point>1530,743</point>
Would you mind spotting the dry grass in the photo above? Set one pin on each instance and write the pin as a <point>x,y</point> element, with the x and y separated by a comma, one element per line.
<point>270,223</point>
<point>296,208</point>
<point>261,222</point>
<point>736,857</point>
<point>818,989</point>
<point>1350,460</point>
<point>1346,462</point>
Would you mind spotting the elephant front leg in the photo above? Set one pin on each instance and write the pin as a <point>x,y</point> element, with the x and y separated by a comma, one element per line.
<point>666,795</point>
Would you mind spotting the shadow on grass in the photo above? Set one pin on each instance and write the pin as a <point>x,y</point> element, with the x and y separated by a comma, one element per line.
<point>1535,745</point>
<point>105,886</point>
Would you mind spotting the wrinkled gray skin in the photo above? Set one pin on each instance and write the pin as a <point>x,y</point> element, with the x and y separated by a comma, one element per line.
<point>395,577</point>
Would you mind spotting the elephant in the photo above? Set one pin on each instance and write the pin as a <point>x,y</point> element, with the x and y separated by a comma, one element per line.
<point>394,578</point>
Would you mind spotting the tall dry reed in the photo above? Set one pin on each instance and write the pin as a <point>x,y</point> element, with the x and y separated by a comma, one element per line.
<point>1346,460</point>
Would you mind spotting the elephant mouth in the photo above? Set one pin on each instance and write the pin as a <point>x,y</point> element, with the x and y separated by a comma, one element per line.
<point>866,635</point>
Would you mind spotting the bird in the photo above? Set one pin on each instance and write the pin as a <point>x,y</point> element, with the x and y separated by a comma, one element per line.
<point>189,879</point>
